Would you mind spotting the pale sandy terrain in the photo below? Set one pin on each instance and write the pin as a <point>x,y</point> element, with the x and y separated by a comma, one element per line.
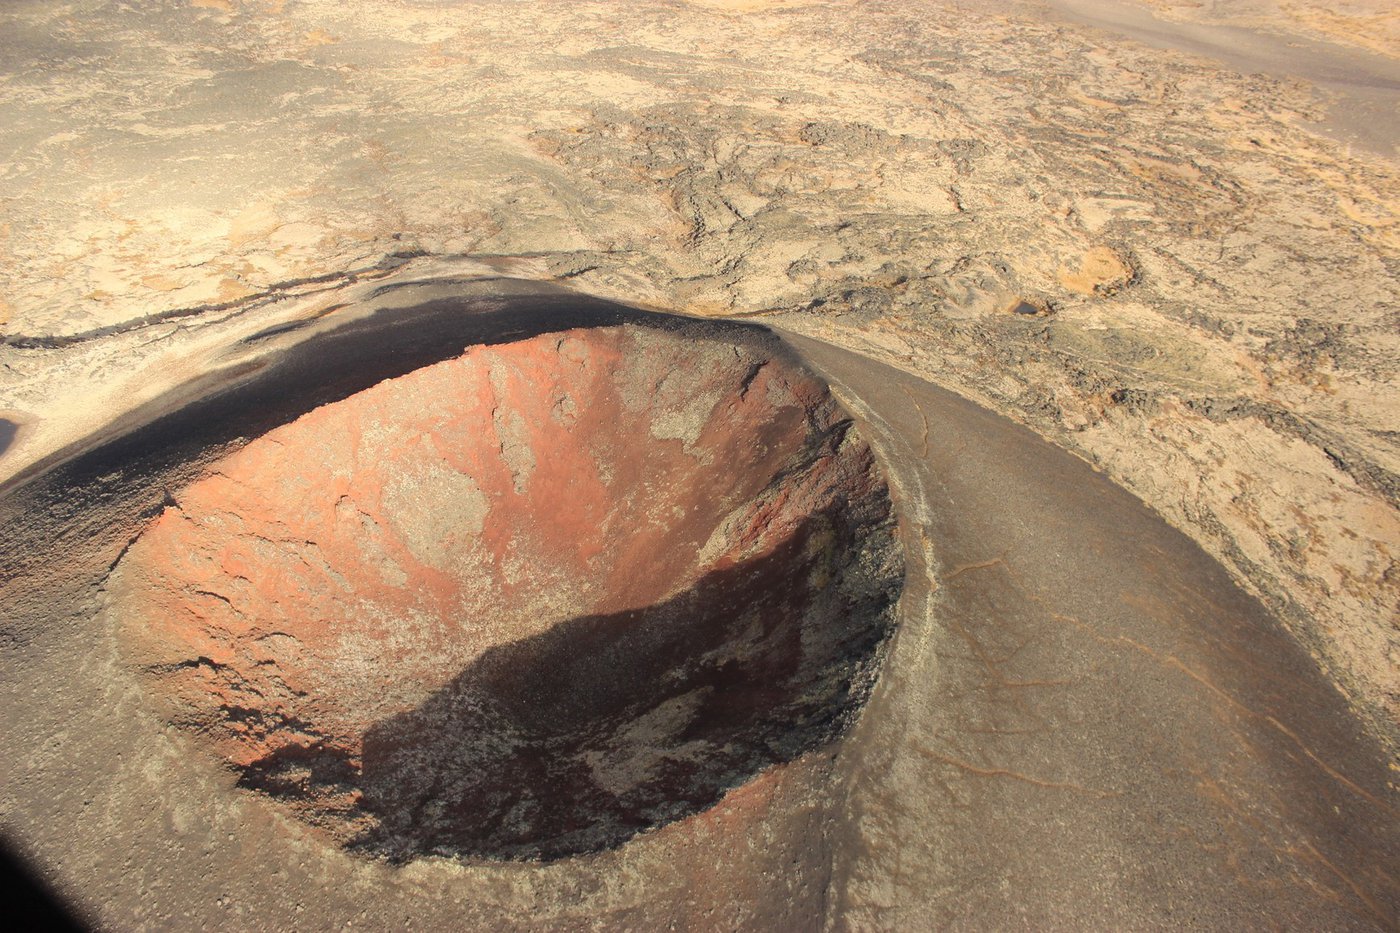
<point>1369,24</point>
<point>1155,261</point>
<point>1163,236</point>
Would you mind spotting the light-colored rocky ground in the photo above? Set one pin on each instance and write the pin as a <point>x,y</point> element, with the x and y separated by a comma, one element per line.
<point>1166,266</point>
<point>1373,25</point>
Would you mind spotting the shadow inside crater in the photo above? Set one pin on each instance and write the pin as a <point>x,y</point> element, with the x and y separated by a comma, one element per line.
<point>576,739</point>
<point>29,901</point>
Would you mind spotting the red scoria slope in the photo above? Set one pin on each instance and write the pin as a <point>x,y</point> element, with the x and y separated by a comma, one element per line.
<point>525,602</point>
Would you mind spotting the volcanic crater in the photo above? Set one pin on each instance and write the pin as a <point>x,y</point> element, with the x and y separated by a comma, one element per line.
<point>529,601</point>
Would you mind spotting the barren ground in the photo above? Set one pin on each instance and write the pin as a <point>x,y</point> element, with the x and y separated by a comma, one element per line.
<point>1163,236</point>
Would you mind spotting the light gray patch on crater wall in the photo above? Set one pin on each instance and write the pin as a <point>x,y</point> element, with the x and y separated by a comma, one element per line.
<point>436,509</point>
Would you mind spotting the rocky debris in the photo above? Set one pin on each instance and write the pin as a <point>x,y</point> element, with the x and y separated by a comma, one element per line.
<point>526,602</point>
<point>1100,271</point>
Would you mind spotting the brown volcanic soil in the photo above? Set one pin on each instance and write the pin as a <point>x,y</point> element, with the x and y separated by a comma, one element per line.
<point>526,602</point>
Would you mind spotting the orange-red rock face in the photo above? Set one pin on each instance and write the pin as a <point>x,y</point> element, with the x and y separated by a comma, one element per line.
<point>528,601</point>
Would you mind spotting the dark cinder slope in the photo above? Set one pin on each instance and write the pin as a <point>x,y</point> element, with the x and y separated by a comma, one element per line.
<point>1084,722</point>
